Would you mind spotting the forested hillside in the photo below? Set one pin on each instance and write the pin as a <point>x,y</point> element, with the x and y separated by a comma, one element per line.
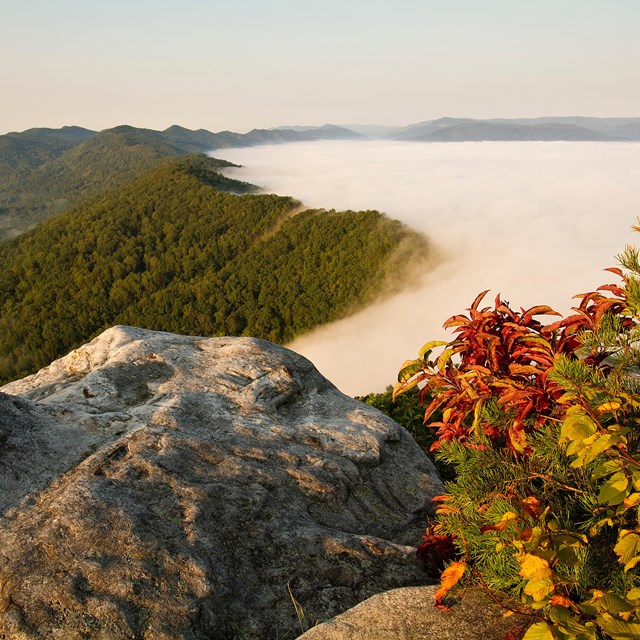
<point>43,172</point>
<point>169,251</point>
<point>22,152</point>
<point>107,159</point>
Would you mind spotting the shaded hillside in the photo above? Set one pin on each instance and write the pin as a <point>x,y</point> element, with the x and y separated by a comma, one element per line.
<point>171,252</point>
<point>46,171</point>
<point>22,152</point>
<point>105,160</point>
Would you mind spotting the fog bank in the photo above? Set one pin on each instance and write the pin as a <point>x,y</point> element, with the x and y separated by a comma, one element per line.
<point>537,222</point>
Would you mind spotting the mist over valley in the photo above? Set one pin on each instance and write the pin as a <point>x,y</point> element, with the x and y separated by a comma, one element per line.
<point>535,221</point>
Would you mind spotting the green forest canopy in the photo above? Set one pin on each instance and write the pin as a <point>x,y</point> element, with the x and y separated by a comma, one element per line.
<point>170,251</point>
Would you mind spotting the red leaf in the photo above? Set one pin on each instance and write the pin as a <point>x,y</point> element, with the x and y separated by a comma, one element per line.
<point>614,288</point>
<point>456,321</point>
<point>478,299</point>
<point>524,370</point>
<point>504,309</point>
<point>517,438</point>
<point>541,310</point>
<point>562,601</point>
<point>433,405</point>
<point>605,305</point>
<point>436,548</point>
<point>532,506</point>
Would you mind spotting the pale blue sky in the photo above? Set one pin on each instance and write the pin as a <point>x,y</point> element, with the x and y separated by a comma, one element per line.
<point>241,64</point>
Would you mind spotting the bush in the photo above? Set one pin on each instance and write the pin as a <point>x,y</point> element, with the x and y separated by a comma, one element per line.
<point>541,423</point>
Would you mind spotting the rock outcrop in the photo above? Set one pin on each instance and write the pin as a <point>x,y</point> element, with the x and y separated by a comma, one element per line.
<point>157,486</point>
<point>409,613</point>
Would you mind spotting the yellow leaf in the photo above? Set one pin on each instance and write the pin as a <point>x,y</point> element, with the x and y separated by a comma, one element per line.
<point>404,384</point>
<point>628,548</point>
<point>427,348</point>
<point>608,406</point>
<point>566,397</point>
<point>539,589</point>
<point>477,414</point>
<point>444,358</point>
<point>632,500</point>
<point>577,427</point>
<point>539,631</point>
<point>533,567</point>
<point>518,439</point>
<point>502,524</point>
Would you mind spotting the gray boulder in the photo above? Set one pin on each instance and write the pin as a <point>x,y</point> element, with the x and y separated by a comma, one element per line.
<point>409,614</point>
<point>157,486</point>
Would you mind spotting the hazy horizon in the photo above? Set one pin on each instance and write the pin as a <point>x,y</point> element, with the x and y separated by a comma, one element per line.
<point>536,222</point>
<point>395,125</point>
<point>250,64</point>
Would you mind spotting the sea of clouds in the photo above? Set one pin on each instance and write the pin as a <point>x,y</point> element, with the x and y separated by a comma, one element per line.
<point>535,221</point>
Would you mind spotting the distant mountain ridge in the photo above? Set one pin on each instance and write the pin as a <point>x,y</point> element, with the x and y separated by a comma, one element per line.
<point>521,129</point>
<point>547,128</point>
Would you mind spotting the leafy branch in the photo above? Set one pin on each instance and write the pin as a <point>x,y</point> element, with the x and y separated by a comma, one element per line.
<point>541,422</point>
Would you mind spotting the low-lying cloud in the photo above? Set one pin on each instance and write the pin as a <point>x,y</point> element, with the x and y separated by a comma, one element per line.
<point>536,222</point>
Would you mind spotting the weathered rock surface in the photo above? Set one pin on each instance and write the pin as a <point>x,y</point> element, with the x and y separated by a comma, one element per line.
<point>409,614</point>
<point>158,486</point>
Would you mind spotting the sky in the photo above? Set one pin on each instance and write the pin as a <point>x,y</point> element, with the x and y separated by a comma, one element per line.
<point>223,65</point>
<point>537,222</point>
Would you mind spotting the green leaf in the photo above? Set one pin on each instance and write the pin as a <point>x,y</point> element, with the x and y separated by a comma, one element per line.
<point>567,556</point>
<point>613,603</point>
<point>588,609</point>
<point>606,469</point>
<point>409,369</point>
<point>538,631</point>
<point>567,622</point>
<point>614,490</point>
<point>619,629</point>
